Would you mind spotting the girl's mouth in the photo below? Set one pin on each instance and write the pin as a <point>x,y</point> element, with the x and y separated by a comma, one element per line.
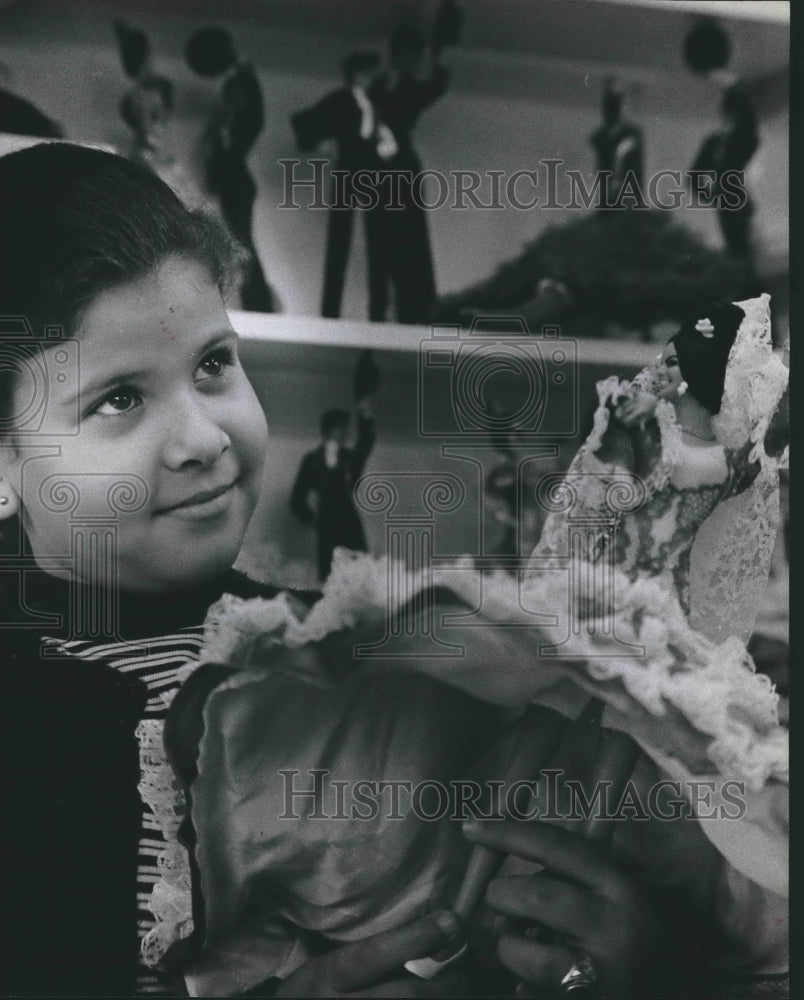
<point>206,503</point>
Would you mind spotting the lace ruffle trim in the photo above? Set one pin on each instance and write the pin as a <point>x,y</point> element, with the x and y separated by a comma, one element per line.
<point>714,687</point>
<point>755,381</point>
<point>610,390</point>
<point>171,898</point>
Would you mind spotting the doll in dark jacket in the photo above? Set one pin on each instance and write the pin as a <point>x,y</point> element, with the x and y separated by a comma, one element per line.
<point>731,148</point>
<point>327,474</point>
<point>348,116</point>
<point>232,131</point>
<point>401,95</point>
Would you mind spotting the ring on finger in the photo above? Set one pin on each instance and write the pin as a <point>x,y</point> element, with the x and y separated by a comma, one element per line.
<point>581,979</point>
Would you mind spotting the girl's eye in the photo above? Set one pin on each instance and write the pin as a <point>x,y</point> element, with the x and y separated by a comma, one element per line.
<point>215,364</point>
<point>118,402</point>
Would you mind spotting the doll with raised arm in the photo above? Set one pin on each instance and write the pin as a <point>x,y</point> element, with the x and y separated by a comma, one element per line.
<point>401,96</point>
<point>233,129</point>
<point>147,108</point>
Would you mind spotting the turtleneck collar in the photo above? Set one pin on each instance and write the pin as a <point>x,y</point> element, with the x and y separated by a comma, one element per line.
<point>138,614</point>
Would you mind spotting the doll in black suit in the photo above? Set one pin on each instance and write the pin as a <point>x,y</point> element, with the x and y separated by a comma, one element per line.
<point>348,117</point>
<point>231,134</point>
<point>401,96</point>
<point>327,474</point>
<point>731,148</point>
<point>618,147</point>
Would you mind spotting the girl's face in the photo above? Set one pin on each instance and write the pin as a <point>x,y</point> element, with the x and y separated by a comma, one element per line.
<point>668,373</point>
<point>163,406</point>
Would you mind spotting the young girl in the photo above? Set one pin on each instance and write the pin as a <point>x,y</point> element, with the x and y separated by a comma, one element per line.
<point>131,461</point>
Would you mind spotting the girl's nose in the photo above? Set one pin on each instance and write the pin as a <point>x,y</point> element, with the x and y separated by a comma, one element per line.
<point>194,438</point>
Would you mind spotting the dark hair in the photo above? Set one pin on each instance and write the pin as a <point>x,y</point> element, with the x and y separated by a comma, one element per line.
<point>76,222</point>
<point>706,46</point>
<point>701,359</point>
<point>407,37</point>
<point>210,51</point>
<point>134,48</point>
<point>334,418</point>
<point>359,62</point>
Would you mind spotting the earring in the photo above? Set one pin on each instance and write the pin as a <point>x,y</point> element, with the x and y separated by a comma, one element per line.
<point>3,501</point>
<point>682,388</point>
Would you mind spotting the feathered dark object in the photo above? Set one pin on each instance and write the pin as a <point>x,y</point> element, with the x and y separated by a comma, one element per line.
<point>367,376</point>
<point>448,24</point>
<point>134,48</point>
<point>633,268</point>
<point>706,47</point>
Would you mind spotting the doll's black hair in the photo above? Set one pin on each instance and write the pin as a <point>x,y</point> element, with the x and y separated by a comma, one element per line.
<point>76,222</point>
<point>702,359</point>
<point>334,418</point>
<point>210,51</point>
<point>407,37</point>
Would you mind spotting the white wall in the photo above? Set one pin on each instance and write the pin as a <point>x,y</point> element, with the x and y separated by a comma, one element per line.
<point>502,113</point>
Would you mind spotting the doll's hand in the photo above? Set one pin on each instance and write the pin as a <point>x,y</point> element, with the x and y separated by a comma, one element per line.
<point>592,906</point>
<point>635,410</point>
<point>374,967</point>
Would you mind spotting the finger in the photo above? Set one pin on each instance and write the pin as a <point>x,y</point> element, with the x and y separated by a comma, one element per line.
<point>562,906</point>
<point>543,965</point>
<point>562,852</point>
<point>374,959</point>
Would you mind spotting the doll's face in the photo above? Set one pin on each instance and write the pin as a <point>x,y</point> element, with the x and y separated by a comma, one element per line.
<point>163,404</point>
<point>668,373</point>
<point>337,434</point>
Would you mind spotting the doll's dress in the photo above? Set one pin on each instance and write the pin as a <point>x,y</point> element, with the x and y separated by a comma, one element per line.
<point>645,521</point>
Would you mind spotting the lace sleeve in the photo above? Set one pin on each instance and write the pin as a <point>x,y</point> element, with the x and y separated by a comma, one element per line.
<point>599,471</point>
<point>731,557</point>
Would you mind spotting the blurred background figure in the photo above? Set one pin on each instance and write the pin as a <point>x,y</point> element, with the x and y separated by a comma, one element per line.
<point>363,141</point>
<point>234,125</point>
<point>147,108</point>
<point>323,493</point>
<point>20,117</point>
<point>617,145</point>
<point>400,96</point>
<point>731,148</point>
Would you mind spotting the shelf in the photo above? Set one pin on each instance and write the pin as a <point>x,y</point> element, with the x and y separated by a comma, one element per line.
<point>313,343</point>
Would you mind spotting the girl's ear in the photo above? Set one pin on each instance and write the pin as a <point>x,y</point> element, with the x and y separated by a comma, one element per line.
<point>9,480</point>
